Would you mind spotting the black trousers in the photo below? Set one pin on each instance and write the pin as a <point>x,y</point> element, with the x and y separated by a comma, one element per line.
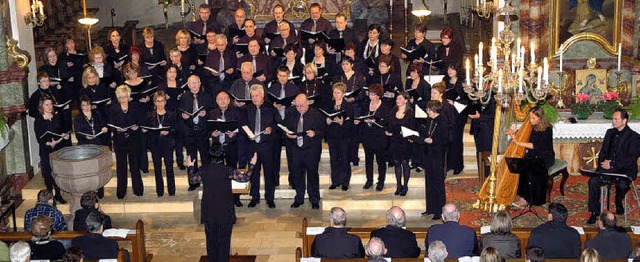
<point>436,172</point>
<point>354,146</point>
<point>144,158</point>
<point>265,160</point>
<point>179,137</point>
<point>417,155</point>
<point>306,163</point>
<point>218,240</point>
<point>45,169</point>
<point>622,187</point>
<point>289,153</point>
<point>128,152</point>
<point>339,160</point>
<point>455,157</point>
<point>381,158</point>
<point>277,152</point>
<point>159,153</point>
<point>196,142</point>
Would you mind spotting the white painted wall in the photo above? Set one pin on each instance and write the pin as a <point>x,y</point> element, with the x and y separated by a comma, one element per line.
<point>147,12</point>
<point>437,7</point>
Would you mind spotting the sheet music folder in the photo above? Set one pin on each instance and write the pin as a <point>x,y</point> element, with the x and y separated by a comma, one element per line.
<point>585,172</point>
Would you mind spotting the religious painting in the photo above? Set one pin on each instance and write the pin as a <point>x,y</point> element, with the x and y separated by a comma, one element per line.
<point>592,82</point>
<point>595,20</point>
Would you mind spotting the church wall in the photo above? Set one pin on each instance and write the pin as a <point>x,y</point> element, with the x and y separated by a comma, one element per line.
<point>146,12</point>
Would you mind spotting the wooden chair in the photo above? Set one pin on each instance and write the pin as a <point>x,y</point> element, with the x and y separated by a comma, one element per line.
<point>559,167</point>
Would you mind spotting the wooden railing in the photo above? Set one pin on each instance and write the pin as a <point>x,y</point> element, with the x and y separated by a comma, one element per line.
<point>138,248</point>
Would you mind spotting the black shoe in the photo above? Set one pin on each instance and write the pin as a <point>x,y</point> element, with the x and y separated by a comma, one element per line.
<point>356,163</point>
<point>292,186</point>
<point>345,188</point>
<point>238,203</point>
<point>391,164</point>
<point>379,186</point>
<point>193,187</point>
<point>404,191</point>
<point>60,200</point>
<point>439,217</point>
<point>253,203</point>
<point>457,172</point>
<point>160,196</point>
<point>425,213</point>
<point>181,167</point>
<point>315,206</point>
<point>271,204</point>
<point>398,190</point>
<point>619,211</point>
<point>146,171</point>
<point>418,169</point>
<point>592,219</point>
<point>296,205</point>
<point>368,184</point>
<point>332,187</point>
<point>172,194</point>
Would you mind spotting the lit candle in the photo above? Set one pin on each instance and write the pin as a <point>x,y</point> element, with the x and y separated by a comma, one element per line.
<point>405,4</point>
<point>533,55</point>
<point>182,6</point>
<point>520,76</point>
<point>468,67</point>
<point>539,78</point>
<point>475,63</point>
<point>480,54</point>
<point>513,63</point>
<point>500,81</point>
<point>518,43</point>
<point>546,71</point>
<point>477,3</point>
<point>390,2</point>
<point>40,6</point>
<point>480,79</point>
<point>561,58</point>
<point>522,51</point>
<point>494,58</point>
<point>619,55</point>
<point>33,10</point>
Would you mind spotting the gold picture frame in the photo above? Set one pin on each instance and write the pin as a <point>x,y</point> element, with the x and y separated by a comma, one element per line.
<point>592,82</point>
<point>568,28</point>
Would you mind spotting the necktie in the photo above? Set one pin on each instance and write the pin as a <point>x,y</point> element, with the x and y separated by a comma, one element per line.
<point>221,67</point>
<point>204,28</point>
<point>339,54</point>
<point>340,32</point>
<point>253,62</point>
<point>257,128</point>
<point>195,108</point>
<point>247,92</point>
<point>285,42</point>
<point>313,29</point>
<point>281,91</point>
<point>222,135</point>
<point>300,138</point>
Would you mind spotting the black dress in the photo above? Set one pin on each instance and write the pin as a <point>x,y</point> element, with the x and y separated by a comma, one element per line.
<point>84,127</point>
<point>114,56</point>
<point>97,94</point>
<point>151,56</point>
<point>533,186</point>
<point>41,126</point>
<point>455,92</point>
<point>436,164</point>
<point>399,147</point>
<point>339,138</point>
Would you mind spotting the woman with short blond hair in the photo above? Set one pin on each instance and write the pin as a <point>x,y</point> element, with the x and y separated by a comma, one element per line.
<point>41,244</point>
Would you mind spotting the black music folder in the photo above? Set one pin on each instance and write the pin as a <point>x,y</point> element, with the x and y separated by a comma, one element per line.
<point>306,35</point>
<point>236,32</point>
<point>222,125</point>
<point>414,54</point>
<point>285,101</point>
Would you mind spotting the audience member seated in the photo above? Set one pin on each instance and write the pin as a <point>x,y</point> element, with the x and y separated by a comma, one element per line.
<point>41,244</point>
<point>44,207</point>
<point>611,242</point>
<point>73,254</point>
<point>20,252</point>
<point>89,203</point>
<point>4,251</point>
<point>335,242</point>
<point>400,242</point>
<point>554,237</point>
<point>461,241</point>
<point>534,254</point>
<point>93,244</point>
<point>490,254</point>
<point>375,250</point>
<point>589,255</point>
<point>437,251</point>
<point>500,237</point>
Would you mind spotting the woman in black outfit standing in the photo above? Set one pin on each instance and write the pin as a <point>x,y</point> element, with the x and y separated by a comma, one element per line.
<point>326,66</point>
<point>138,85</point>
<point>420,91</point>
<point>62,80</point>
<point>49,121</point>
<point>117,52</point>
<point>314,87</point>
<point>400,148</point>
<point>354,82</point>
<point>374,141</point>
<point>108,75</point>
<point>125,118</point>
<point>450,52</point>
<point>454,92</point>
<point>339,132</point>
<point>161,141</point>
<point>420,41</point>
<point>173,90</point>
<point>295,67</point>
<point>436,139</point>
<point>90,126</point>
<point>153,55</point>
<point>75,62</point>
<point>97,92</point>
<point>388,79</point>
<point>189,53</point>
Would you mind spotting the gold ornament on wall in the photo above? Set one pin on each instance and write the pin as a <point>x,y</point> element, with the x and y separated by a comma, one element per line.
<point>20,57</point>
<point>297,8</point>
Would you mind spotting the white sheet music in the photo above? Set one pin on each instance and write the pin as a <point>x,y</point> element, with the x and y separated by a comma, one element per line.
<point>118,232</point>
<point>420,113</point>
<point>433,79</point>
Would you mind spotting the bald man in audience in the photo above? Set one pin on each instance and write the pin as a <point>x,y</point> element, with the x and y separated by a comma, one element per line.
<point>401,243</point>
<point>461,240</point>
<point>335,242</point>
<point>437,251</point>
<point>611,242</point>
<point>376,250</point>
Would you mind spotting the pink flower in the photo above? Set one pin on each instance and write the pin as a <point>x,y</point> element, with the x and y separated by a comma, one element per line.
<point>582,98</point>
<point>610,96</point>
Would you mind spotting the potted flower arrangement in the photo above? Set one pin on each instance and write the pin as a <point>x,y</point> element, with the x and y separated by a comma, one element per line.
<point>582,108</point>
<point>609,103</point>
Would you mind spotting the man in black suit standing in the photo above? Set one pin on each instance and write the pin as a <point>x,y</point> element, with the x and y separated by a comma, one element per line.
<point>204,24</point>
<point>400,242</point>
<point>335,242</point>
<point>315,23</point>
<point>619,154</point>
<point>259,120</point>
<point>218,213</point>
<point>461,241</point>
<point>343,32</point>
<point>555,237</point>
<point>611,242</point>
<point>273,26</point>
<point>307,128</point>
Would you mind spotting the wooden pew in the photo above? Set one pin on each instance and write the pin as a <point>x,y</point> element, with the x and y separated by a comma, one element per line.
<point>421,234</point>
<point>138,252</point>
<point>234,258</point>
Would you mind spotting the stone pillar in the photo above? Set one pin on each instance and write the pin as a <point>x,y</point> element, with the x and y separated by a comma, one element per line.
<point>4,63</point>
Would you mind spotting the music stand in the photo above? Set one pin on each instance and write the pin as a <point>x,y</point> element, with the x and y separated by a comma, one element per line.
<point>607,179</point>
<point>530,169</point>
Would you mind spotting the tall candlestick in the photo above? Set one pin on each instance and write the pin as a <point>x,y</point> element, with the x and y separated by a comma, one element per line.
<point>480,54</point>
<point>468,68</point>
<point>619,55</point>
<point>539,78</point>
<point>40,7</point>
<point>513,63</point>
<point>518,43</point>
<point>522,51</point>
<point>475,62</point>
<point>33,10</point>
<point>545,73</point>
<point>520,72</point>
<point>405,4</point>
<point>500,73</point>
<point>390,2</point>
<point>561,58</point>
<point>533,55</point>
<point>182,6</point>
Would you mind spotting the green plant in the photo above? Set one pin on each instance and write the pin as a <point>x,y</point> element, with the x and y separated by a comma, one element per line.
<point>582,108</point>
<point>609,103</point>
<point>3,124</point>
<point>634,108</point>
<point>550,112</point>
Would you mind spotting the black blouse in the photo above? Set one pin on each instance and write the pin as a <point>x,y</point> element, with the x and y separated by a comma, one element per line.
<point>334,130</point>
<point>41,126</point>
<point>90,127</point>
<point>542,146</point>
<point>173,94</point>
<point>154,138</point>
<point>400,148</point>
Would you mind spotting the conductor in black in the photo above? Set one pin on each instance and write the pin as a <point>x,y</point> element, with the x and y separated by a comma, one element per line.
<point>218,213</point>
<point>619,155</point>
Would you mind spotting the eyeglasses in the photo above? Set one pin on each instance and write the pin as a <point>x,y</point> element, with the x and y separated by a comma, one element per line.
<point>160,101</point>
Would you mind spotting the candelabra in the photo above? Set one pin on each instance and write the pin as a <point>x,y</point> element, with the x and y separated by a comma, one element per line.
<point>36,17</point>
<point>192,6</point>
<point>561,86</point>
<point>510,81</point>
<point>406,24</point>
<point>484,8</point>
<point>88,21</point>
<point>422,13</point>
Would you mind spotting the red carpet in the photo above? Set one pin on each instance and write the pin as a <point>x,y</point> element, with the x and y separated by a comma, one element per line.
<point>464,192</point>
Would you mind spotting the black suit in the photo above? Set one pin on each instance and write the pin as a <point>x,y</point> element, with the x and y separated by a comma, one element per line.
<point>621,147</point>
<point>95,246</point>
<point>400,243</point>
<point>322,24</point>
<point>460,240</point>
<point>556,239</point>
<point>263,65</point>
<point>339,139</point>
<point>611,243</point>
<point>197,136</point>
<point>290,89</point>
<point>435,163</point>
<point>126,146</point>
<point>272,28</point>
<point>263,146</point>
<point>337,243</point>
<point>306,151</point>
<point>229,60</point>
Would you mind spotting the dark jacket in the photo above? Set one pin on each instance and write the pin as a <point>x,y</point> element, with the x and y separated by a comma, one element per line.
<point>79,221</point>
<point>47,249</point>
<point>337,243</point>
<point>217,197</point>
<point>556,239</point>
<point>611,243</point>
<point>96,246</point>
<point>399,242</point>
<point>461,241</point>
<point>624,157</point>
<point>508,245</point>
